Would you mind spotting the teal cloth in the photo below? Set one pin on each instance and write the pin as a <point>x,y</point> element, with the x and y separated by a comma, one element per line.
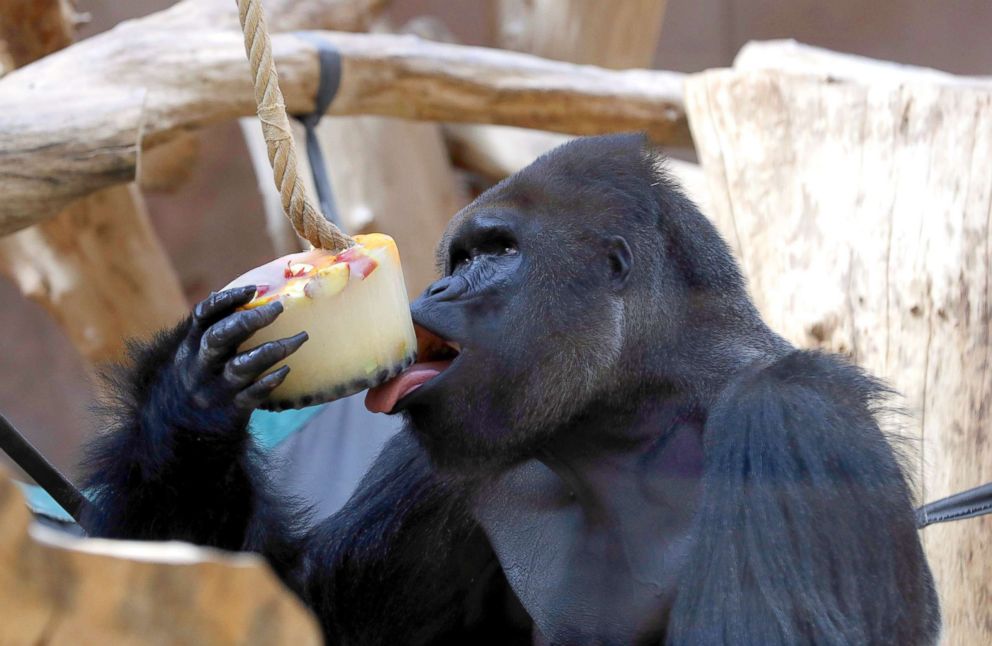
<point>268,428</point>
<point>42,504</point>
<point>271,428</point>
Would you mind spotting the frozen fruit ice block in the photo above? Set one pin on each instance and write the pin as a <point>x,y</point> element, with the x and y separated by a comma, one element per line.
<point>354,307</point>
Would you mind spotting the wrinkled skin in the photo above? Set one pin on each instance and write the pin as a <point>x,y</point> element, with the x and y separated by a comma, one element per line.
<point>622,451</point>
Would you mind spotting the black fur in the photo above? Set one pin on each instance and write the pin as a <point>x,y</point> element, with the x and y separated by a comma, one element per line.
<point>803,534</point>
<point>156,468</point>
<point>622,452</point>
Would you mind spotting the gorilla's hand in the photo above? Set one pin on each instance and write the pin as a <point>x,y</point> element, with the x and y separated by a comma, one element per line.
<point>176,460</point>
<point>216,382</point>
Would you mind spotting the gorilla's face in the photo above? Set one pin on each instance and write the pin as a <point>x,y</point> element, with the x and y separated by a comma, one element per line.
<point>514,338</point>
<point>554,283</point>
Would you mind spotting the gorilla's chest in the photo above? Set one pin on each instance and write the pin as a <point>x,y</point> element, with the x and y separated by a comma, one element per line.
<point>590,575</point>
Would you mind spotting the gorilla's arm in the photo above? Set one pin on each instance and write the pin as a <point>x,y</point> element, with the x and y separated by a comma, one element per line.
<point>175,460</point>
<point>806,530</point>
<point>402,562</point>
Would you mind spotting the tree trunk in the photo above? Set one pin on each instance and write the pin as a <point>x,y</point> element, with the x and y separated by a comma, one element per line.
<point>861,214</point>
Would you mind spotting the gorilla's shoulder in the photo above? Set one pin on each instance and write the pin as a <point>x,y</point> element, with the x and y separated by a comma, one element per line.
<point>811,406</point>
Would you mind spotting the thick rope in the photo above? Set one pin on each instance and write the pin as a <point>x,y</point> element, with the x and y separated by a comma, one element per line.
<point>306,219</point>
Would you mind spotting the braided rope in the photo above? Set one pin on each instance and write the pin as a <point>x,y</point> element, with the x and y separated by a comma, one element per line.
<point>306,218</point>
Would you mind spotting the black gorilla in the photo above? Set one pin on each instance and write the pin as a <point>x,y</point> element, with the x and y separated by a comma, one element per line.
<point>621,451</point>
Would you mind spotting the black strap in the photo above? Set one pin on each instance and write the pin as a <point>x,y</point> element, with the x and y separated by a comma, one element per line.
<point>967,504</point>
<point>41,470</point>
<point>330,80</point>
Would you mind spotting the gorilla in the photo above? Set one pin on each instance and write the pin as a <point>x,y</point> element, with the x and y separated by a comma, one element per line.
<point>603,444</point>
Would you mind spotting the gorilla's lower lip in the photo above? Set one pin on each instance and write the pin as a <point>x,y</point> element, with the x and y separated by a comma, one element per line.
<point>383,399</point>
<point>436,355</point>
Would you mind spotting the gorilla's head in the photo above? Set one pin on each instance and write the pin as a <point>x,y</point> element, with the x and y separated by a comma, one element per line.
<point>567,289</point>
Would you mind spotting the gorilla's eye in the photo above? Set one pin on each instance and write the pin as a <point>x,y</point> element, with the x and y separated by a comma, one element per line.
<point>460,259</point>
<point>509,249</point>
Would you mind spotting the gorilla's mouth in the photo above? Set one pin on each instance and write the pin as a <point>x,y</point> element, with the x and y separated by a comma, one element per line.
<point>434,356</point>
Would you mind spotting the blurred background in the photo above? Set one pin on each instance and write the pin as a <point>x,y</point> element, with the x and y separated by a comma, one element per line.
<point>212,225</point>
<point>856,195</point>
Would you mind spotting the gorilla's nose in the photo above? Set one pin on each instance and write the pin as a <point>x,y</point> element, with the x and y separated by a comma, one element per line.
<point>446,289</point>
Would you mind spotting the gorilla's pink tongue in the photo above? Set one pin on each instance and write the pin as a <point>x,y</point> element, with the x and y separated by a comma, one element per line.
<point>382,399</point>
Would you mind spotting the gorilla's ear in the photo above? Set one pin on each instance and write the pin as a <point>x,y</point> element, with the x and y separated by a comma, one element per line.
<point>621,259</point>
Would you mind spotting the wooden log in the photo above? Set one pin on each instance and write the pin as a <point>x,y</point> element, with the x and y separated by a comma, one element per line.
<point>861,214</point>
<point>69,123</point>
<point>97,267</point>
<point>57,589</point>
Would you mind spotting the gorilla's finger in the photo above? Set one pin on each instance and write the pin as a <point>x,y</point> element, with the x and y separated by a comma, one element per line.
<point>222,338</point>
<point>219,303</point>
<point>253,396</point>
<point>247,366</point>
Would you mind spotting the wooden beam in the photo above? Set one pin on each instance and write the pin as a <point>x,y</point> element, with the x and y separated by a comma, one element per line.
<point>70,123</point>
<point>861,213</point>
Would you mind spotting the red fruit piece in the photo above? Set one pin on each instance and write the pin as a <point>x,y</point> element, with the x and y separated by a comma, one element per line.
<point>362,266</point>
<point>348,255</point>
<point>297,269</point>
